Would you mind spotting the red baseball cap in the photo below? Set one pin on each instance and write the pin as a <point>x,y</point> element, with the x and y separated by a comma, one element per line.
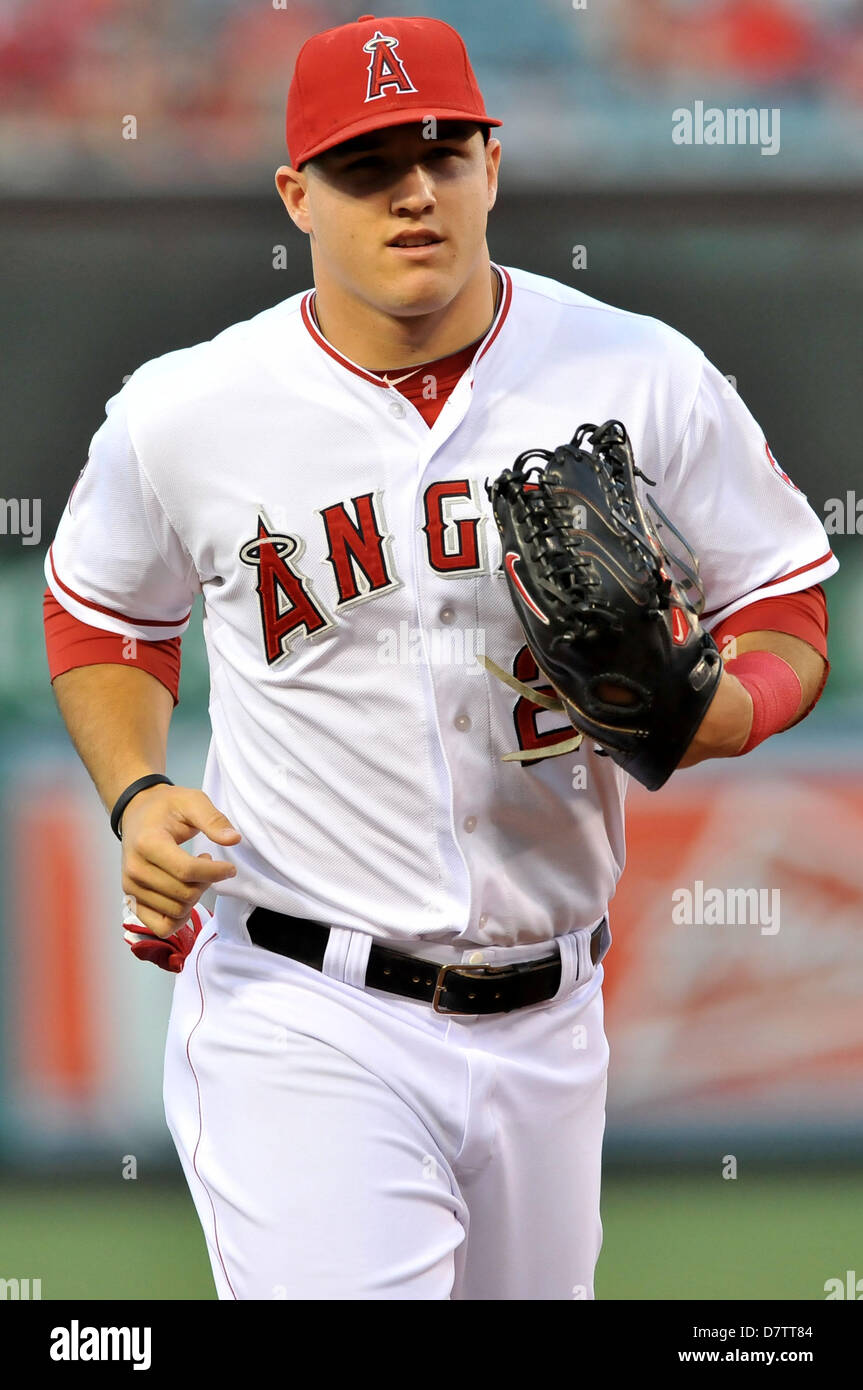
<point>376,73</point>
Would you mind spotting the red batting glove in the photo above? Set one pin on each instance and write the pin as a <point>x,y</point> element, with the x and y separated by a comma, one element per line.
<point>168,952</point>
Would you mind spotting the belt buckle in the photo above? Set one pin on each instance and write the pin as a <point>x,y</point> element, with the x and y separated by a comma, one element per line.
<point>461,970</point>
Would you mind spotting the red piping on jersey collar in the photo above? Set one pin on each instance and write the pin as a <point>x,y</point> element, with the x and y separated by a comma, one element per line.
<point>307,309</point>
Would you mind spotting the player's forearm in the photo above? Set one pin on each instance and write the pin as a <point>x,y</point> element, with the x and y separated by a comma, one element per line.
<point>727,724</point>
<point>118,718</point>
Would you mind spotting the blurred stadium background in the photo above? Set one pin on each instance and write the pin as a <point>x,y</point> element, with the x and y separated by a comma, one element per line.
<point>726,1041</point>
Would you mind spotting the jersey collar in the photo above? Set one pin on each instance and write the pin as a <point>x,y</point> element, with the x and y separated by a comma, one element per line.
<point>307,309</point>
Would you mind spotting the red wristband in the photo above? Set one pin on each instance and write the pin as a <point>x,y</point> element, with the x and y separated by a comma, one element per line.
<point>775,690</point>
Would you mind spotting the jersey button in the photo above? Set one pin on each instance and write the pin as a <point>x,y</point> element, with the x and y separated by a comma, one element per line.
<point>470,824</point>
<point>483,921</point>
<point>447,615</point>
<point>397,410</point>
<point>462,723</point>
<point>476,958</point>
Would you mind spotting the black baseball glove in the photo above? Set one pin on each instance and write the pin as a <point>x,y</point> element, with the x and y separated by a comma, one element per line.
<point>607,624</point>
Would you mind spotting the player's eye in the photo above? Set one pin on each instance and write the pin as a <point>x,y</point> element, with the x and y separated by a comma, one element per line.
<point>372,163</point>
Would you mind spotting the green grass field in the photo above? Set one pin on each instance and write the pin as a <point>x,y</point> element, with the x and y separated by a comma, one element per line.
<point>676,1237</point>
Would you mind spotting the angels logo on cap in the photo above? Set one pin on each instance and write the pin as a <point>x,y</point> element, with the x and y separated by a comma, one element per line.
<point>386,69</point>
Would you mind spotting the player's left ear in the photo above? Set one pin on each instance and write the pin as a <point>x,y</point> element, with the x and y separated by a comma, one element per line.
<point>492,164</point>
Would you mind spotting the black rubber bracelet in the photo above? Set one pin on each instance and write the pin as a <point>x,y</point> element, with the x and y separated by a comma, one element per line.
<point>151,780</point>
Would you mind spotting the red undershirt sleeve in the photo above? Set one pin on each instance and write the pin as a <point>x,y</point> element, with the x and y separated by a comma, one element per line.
<point>70,643</point>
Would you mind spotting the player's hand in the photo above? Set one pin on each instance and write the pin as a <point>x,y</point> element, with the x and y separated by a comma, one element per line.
<point>168,952</point>
<point>164,880</point>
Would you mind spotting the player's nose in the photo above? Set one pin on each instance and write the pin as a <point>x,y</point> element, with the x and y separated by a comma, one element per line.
<point>415,191</point>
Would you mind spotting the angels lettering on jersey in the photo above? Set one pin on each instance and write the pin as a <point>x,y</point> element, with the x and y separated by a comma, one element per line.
<point>361,558</point>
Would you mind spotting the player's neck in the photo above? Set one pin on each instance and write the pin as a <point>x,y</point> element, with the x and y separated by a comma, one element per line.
<point>380,341</point>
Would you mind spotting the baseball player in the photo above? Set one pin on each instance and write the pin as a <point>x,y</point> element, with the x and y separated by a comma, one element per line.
<point>386,1062</point>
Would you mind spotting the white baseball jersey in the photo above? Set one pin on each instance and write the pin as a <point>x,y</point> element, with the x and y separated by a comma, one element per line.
<point>351,575</point>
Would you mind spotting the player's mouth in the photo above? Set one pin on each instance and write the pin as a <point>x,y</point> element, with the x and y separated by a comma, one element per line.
<point>415,245</point>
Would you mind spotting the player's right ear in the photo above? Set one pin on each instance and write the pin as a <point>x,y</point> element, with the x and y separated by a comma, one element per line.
<point>292,189</point>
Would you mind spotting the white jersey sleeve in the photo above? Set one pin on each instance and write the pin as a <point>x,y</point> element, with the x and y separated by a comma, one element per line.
<point>116,561</point>
<point>753,531</point>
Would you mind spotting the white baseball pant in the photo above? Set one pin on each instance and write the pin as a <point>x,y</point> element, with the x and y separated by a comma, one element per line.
<point>344,1143</point>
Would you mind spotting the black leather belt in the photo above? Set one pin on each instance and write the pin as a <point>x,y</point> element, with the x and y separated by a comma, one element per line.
<point>450,989</point>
